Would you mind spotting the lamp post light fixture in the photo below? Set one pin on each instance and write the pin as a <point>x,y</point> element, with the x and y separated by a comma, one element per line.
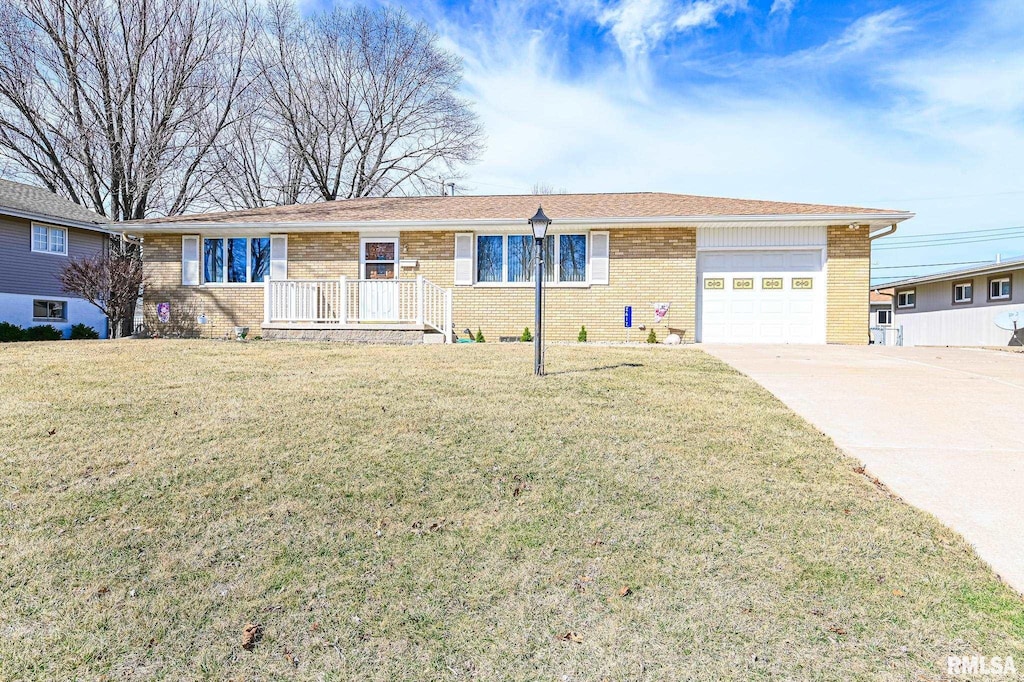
<point>539,224</point>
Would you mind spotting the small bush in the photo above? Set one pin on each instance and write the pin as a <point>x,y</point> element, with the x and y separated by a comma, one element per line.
<point>11,332</point>
<point>582,336</point>
<point>83,331</point>
<point>527,336</point>
<point>652,337</point>
<point>43,332</point>
<point>480,336</point>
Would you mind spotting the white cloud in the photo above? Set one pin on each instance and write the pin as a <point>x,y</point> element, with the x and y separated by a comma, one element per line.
<point>795,141</point>
<point>784,7</point>
<point>639,26</point>
<point>706,12</point>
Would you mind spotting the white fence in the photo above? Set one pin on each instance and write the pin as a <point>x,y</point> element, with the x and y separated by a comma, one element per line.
<point>342,301</point>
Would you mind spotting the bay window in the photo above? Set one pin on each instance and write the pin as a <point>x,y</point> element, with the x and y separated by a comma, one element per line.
<point>235,260</point>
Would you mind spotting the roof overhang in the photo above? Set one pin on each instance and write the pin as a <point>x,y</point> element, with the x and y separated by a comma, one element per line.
<point>796,220</point>
<point>990,269</point>
<point>53,220</point>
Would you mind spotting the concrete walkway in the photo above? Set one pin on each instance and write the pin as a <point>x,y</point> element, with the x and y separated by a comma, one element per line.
<point>942,427</point>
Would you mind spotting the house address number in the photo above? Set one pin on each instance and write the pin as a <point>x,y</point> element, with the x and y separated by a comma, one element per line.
<point>803,283</point>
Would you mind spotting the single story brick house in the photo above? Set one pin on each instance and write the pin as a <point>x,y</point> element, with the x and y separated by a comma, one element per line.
<point>973,306</point>
<point>39,232</point>
<point>425,268</point>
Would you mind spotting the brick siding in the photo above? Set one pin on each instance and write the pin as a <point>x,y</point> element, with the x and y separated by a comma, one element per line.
<point>647,266</point>
<point>849,278</point>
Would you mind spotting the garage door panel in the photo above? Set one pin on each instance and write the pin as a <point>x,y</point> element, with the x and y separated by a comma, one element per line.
<point>765,313</point>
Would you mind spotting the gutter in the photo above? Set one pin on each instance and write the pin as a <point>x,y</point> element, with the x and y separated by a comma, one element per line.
<point>809,220</point>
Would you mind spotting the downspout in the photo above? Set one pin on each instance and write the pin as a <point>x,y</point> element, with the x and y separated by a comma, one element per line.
<point>885,232</point>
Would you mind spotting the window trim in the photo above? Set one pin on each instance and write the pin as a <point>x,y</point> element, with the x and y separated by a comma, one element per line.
<point>64,306</point>
<point>49,229</point>
<point>1000,278</point>
<point>965,301</point>
<point>911,306</point>
<point>225,238</point>
<point>878,320</point>
<point>504,283</point>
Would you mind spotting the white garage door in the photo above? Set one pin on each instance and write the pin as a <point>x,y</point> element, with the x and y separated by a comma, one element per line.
<point>761,296</point>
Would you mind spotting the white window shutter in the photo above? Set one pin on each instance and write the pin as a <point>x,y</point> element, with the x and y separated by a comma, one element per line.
<point>190,260</point>
<point>599,256</point>
<point>464,258</point>
<point>278,257</point>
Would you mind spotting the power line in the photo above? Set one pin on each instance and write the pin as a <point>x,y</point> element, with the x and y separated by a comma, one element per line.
<point>960,196</point>
<point>952,233</point>
<point>928,265</point>
<point>897,247</point>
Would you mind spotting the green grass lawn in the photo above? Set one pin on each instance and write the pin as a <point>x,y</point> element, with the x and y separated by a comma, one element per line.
<point>439,513</point>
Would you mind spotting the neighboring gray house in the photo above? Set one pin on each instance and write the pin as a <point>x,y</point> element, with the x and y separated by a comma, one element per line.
<point>39,232</point>
<point>960,307</point>
<point>880,316</point>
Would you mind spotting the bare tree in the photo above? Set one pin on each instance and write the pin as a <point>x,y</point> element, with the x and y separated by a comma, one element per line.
<point>546,188</point>
<point>367,100</point>
<point>116,104</point>
<point>111,282</point>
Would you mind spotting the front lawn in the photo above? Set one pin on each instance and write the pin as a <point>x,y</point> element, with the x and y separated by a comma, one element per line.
<point>438,513</point>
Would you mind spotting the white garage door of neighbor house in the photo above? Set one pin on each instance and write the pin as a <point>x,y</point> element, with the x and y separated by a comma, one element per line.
<point>761,296</point>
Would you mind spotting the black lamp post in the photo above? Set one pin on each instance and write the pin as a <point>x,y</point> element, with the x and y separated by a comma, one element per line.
<point>539,223</point>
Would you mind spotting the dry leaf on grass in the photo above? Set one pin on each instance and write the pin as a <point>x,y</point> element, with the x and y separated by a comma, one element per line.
<point>837,630</point>
<point>625,591</point>
<point>898,593</point>
<point>571,636</point>
<point>251,634</point>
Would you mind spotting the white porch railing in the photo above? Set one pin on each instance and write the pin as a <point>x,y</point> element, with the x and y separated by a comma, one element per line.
<point>342,302</point>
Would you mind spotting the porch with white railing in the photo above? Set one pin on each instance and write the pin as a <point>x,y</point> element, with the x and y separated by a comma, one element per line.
<point>340,303</point>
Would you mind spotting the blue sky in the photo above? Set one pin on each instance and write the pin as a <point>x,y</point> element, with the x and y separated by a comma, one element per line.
<point>909,105</point>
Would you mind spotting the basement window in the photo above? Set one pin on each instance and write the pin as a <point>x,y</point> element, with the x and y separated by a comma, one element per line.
<point>49,311</point>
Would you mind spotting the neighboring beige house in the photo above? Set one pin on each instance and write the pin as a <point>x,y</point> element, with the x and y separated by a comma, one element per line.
<point>966,307</point>
<point>425,268</point>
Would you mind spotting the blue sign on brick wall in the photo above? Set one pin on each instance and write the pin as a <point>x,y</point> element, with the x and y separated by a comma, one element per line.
<point>627,317</point>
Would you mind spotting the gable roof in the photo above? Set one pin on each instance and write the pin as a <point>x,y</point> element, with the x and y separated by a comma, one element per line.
<point>516,208</point>
<point>987,269</point>
<point>36,203</point>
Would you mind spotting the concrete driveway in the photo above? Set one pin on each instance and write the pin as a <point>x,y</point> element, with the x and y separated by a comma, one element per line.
<point>942,427</point>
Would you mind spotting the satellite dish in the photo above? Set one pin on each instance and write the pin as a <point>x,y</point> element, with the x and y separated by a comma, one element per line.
<point>1010,320</point>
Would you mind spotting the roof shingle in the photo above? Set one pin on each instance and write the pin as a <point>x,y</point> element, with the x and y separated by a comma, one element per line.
<point>23,198</point>
<point>516,207</point>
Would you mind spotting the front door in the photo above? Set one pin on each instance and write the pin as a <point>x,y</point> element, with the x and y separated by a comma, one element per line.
<point>378,286</point>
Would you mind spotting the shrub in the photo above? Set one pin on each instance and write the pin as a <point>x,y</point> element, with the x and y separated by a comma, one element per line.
<point>83,331</point>
<point>582,336</point>
<point>527,336</point>
<point>652,337</point>
<point>479,336</point>
<point>43,332</point>
<point>11,332</point>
